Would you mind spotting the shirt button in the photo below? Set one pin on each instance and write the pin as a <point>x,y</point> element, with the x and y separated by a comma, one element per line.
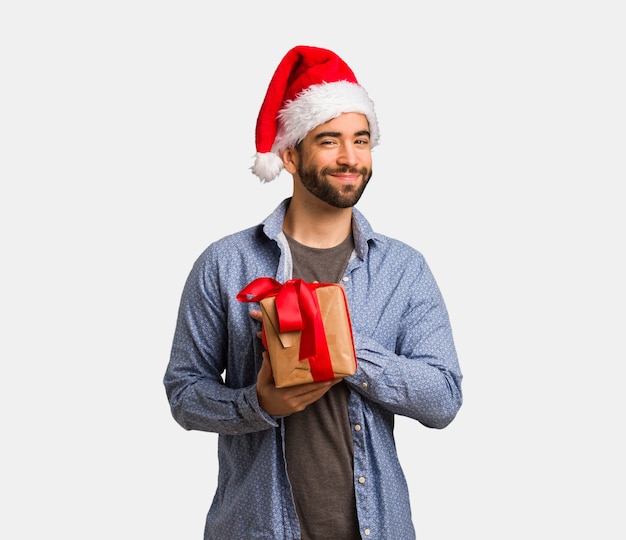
<point>344,278</point>
<point>361,480</point>
<point>367,532</point>
<point>357,428</point>
<point>364,384</point>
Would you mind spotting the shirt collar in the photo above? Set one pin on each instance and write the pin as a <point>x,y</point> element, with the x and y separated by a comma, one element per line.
<point>361,228</point>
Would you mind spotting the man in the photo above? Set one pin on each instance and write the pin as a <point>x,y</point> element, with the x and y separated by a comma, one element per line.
<point>318,460</point>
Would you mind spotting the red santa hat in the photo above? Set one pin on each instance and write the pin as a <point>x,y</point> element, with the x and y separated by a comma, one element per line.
<point>310,87</point>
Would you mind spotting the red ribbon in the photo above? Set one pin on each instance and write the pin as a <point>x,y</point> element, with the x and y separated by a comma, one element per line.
<point>298,310</point>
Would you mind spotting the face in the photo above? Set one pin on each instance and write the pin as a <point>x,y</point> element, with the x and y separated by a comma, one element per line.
<point>334,161</point>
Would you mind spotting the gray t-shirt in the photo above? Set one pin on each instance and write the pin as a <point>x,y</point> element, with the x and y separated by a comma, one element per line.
<point>318,440</point>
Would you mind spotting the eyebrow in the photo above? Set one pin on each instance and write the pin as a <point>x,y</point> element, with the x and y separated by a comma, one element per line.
<point>338,134</point>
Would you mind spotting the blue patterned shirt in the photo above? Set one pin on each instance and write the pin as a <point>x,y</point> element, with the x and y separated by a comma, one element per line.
<point>407,365</point>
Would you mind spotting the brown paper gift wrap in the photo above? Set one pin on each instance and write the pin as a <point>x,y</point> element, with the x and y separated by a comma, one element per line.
<point>284,347</point>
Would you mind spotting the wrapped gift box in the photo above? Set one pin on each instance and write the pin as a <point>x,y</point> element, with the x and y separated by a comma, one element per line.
<point>306,329</point>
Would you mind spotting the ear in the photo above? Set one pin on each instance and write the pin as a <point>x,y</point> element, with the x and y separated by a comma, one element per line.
<point>290,159</point>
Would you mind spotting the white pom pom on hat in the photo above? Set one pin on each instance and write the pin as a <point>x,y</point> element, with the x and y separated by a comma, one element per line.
<point>310,87</point>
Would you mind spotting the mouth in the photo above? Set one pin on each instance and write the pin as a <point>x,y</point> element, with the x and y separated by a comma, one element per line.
<point>348,178</point>
<point>351,176</point>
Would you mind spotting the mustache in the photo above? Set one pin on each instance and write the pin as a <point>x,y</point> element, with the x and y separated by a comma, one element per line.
<point>345,170</point>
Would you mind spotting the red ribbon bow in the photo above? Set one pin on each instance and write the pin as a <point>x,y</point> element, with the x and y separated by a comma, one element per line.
<point>298,310</point>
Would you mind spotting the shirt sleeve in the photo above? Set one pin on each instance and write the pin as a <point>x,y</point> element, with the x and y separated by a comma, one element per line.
<point>198,396</point>
<point>420,378</point>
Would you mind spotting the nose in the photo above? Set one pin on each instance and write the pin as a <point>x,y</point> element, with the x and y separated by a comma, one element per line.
<point>347,155</point>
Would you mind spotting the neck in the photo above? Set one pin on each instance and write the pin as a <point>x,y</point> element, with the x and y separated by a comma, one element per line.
<point>317,225</point>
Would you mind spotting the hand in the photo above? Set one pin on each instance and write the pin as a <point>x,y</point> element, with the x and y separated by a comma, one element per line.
<point>285,401</point>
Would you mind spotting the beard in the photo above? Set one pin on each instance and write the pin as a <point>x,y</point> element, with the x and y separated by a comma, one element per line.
<point>316,182</point>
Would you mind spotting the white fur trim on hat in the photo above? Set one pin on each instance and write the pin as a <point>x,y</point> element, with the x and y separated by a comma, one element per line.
<point>318,104</point>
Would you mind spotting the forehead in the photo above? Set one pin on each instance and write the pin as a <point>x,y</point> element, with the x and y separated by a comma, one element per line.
<point>344,124</point>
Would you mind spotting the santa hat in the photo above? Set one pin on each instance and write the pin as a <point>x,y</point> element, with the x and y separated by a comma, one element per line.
<point>310,87</point>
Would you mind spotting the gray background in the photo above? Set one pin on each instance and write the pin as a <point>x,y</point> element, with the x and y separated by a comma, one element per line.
<point>126,134</point>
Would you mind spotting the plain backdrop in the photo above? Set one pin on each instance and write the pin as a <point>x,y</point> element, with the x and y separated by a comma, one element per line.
<point>126,137</point>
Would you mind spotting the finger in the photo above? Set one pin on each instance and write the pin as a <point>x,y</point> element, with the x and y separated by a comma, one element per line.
<point>301,401</point>
<point>310,391</point>
<point>256,314</point>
